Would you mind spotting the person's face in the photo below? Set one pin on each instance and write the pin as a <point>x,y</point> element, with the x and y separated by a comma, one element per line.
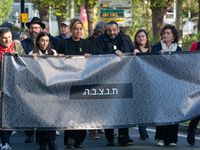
<point>23,36</point>
<point>112,31</point>
<point>141,38</point>
<point>45,30</point>
<point>77,31</point>
<point>6,39</point>
<point>43,42</point>
<point>168,35</point>
<point>65,29</point>
<point>99,33</point>
<point>35,28</point>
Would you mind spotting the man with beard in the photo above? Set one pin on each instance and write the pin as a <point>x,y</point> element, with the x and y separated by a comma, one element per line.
<point>114,41</point>
<point>35,27</point>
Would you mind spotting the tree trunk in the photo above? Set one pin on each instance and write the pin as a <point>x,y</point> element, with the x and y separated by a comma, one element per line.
<point>199,19</point>
<point>179,21</point>
<point>59,20</point>
<point>157,21</point>
<point>158,13</point>
<point>90,16</point>
<point>44,14</point>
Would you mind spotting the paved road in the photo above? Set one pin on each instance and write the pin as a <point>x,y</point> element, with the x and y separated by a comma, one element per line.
<point>17,142</point>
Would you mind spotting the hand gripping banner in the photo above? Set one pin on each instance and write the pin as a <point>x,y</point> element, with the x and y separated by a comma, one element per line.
<point>103,91</point>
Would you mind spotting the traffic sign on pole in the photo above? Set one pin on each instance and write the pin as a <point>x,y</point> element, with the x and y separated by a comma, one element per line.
<point>24,17</point>
<point>104,13</point>
<point>122,22</point>
<point>114,3</point>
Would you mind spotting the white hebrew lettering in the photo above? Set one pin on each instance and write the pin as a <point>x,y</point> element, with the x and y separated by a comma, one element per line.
<point>86,91</point>
<point>101,90</point>
<point>115,91</point>
<point>95,93</point>
<point>107,92</point>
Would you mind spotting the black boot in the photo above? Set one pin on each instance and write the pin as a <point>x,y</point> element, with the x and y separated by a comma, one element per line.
<point>124,140</point>
<point>191,136</point>
<point>52,145</point>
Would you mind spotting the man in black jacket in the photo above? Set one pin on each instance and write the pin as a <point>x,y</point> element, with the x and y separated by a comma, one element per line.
<point>35,27</point>
<point>114,41</point>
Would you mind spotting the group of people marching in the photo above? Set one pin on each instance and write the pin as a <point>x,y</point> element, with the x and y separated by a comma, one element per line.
<point>106,39</point>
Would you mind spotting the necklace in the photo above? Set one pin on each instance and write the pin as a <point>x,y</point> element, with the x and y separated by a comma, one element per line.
<point>114,46</point>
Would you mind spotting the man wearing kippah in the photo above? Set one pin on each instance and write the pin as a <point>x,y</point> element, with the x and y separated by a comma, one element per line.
<point>114,41</point>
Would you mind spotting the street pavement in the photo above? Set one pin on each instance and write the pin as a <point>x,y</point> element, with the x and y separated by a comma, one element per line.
<point>18,143</point>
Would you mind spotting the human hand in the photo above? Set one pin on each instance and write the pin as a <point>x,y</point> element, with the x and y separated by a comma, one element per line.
<point>86,55</point>
<point>34,55</point>
<point>61,55</point>
<point>161,51</point>
<point>14,53</point>
<point>118,52</point>
<point>135,52</point>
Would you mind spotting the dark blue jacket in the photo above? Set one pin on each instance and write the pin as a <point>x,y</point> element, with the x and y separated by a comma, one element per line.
<point>104,44</point>
<point>59,37</point>
<point>54,42</point>
<point>157,47</point>
<point>28,45</point>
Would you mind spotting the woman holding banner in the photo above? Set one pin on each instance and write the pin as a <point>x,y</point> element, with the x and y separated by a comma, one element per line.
<point>169,38</point>
<point>142,45</point>
<point>43,47</point>
<point>75,46</point>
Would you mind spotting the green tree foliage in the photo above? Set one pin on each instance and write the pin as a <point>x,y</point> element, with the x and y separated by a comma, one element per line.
<point>5,10</point>
<point>58,7</point>
<point>141,17</point>
<point>90,6</point>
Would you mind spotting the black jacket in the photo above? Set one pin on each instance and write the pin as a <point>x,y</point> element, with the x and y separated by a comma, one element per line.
<point>54,42</point>
<point>28,45</point>
<point>157,47</point>
<point>92,40</point>
<point>104,44</point>
<point>59,37</point>
<point>65,47</point>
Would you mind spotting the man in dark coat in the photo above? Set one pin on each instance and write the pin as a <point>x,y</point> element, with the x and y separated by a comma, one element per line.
<point>114,41</point>
<point>65,31</point>
<point>35,27</point>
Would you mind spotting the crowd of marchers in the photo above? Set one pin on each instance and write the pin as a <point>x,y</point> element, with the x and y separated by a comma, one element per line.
<point>106,39</point>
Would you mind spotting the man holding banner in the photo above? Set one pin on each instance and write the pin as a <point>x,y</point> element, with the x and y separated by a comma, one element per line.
<point>115,41</point>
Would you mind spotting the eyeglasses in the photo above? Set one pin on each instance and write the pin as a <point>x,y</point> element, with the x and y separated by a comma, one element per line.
<point>2,30</point>
<point>36,28</point>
